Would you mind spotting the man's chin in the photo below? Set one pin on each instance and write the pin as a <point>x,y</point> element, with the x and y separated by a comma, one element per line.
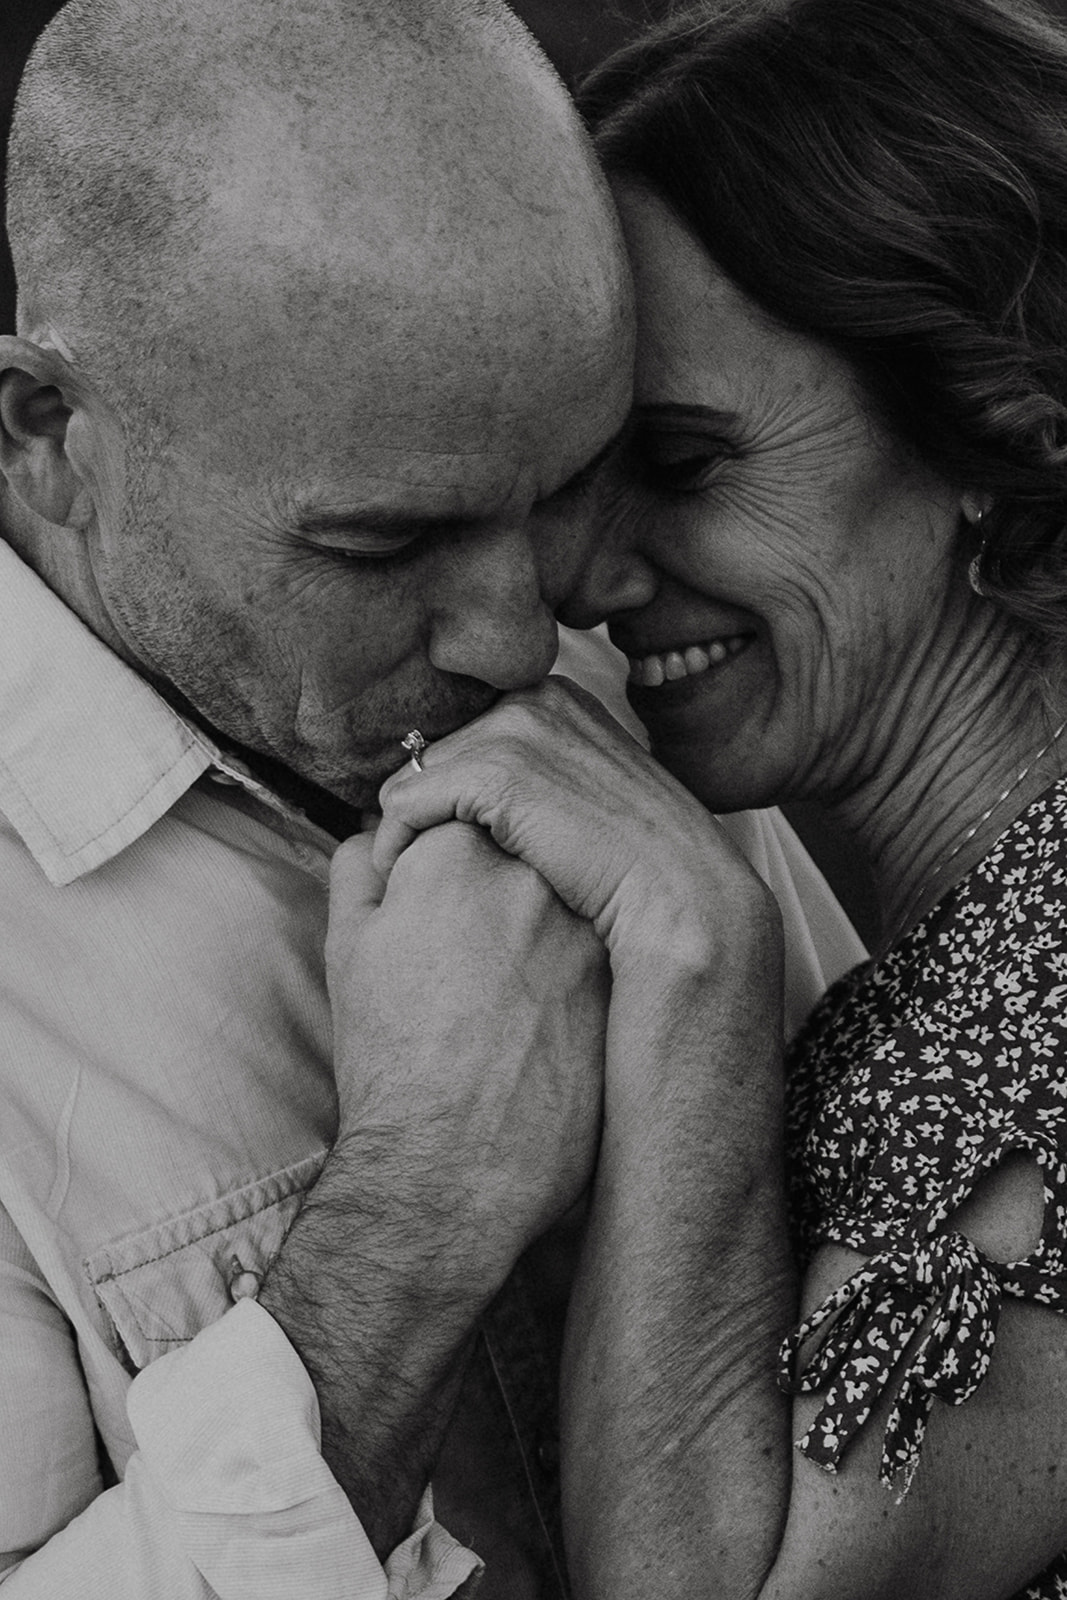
<point>358,787</point>
<point>356,775</point>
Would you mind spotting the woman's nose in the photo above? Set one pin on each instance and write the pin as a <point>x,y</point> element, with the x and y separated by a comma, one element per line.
<point>614,577</point>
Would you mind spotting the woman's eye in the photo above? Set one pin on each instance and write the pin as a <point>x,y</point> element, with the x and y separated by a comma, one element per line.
<point>680,464</point>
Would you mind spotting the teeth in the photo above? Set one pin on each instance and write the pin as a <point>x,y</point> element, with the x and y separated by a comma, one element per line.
<point>668,665</point>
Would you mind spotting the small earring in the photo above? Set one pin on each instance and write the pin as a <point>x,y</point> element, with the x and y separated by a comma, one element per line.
<point>974,566</point>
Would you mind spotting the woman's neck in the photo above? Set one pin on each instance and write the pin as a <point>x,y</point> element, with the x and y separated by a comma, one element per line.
<point>954,777</point>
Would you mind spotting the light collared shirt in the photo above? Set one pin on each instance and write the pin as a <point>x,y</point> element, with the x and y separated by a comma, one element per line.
<point>166,1099</point>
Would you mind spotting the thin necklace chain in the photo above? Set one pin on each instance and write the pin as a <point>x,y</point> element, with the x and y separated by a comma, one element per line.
<point>919,896</point>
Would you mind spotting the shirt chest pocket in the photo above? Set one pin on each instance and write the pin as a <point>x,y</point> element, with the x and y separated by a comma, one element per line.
<point>158,1288</point>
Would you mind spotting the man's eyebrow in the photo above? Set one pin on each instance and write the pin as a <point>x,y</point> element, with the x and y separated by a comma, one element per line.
<point>389,519</point>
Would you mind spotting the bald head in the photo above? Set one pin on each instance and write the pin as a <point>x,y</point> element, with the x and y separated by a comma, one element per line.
<point>176,172</point>
<point>323,309</point>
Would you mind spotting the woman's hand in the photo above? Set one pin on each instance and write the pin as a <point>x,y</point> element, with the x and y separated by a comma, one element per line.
<point>559,784</point>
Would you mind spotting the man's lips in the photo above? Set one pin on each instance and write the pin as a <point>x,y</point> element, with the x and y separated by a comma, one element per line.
<point>652,668</point>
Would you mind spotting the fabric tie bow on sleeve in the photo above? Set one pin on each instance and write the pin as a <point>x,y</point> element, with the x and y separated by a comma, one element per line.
<point>939,1295</point>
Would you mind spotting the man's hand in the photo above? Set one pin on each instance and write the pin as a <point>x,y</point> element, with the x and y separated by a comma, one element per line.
<point>469,1017</point>
<point>469,1011</point>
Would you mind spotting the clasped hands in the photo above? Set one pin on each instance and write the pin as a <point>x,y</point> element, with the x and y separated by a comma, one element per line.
<point>469,950</point>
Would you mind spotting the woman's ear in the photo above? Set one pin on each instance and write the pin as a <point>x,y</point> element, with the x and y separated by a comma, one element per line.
<point>39,395</point>
<point>974,506</point>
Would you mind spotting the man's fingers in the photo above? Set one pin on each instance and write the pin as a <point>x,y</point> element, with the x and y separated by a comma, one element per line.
<point>390,842</point>
<point>356,885</point>
<point>462,851</point>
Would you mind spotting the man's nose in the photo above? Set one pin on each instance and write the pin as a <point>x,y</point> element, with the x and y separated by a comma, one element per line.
<point>489,619</point>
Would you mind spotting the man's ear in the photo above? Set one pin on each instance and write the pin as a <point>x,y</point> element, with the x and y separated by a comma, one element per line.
<point>39,395</point>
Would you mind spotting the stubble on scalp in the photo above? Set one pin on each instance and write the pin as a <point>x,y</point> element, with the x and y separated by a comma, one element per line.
<point>127,114</point>
<point>188,185</point>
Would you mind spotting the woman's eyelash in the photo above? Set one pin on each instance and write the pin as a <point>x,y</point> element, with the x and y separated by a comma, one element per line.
<point>664,468</point>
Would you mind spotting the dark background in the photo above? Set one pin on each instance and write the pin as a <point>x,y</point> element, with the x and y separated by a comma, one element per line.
<point>576,34</point>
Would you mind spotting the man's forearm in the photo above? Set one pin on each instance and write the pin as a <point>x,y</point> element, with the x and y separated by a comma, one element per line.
<point>468,1009</point>
<point>374,1292</point>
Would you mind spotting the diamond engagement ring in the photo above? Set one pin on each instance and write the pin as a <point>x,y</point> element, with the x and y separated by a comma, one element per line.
<point>414,744</point>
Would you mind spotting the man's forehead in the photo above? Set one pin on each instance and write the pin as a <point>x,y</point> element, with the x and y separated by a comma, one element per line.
<point>423,200</point>
<point>391,486</point>
<point>405,171</point>
<point>409,309</point>
<point>509,466</point>
<point>430,276</point>
<point>414,377</point>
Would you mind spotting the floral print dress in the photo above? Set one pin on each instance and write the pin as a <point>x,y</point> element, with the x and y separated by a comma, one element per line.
<point>916,1075</point>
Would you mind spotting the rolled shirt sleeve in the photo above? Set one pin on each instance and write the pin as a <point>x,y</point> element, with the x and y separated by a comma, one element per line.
<point>227,1494</point>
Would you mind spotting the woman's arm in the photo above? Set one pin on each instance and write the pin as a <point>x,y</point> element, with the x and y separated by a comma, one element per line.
<point>680,1474</point>
<point>675,1448</point>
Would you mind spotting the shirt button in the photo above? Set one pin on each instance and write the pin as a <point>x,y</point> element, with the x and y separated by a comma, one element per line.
<point>244,1284</point>
<point>548,1453</point>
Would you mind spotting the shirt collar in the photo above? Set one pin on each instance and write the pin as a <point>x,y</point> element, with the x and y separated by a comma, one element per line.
<point>90,755</point>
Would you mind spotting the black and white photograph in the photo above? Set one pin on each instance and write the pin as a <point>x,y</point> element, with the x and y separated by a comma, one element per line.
<point>533,800</point>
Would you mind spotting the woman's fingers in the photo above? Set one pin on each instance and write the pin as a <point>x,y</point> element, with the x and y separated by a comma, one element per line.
<point>557,783</point>
<point>469,774</point>
<point>545,748</point>
<point>481,783</point>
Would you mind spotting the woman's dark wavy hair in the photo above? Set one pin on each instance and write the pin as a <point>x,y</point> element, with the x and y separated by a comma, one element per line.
<point>888,177</point>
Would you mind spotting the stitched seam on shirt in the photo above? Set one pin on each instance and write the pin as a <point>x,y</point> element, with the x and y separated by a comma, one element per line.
<point>281,1175</point>
<point>174,1339</point>
<point>68,854</point>
<point>224,1227</point>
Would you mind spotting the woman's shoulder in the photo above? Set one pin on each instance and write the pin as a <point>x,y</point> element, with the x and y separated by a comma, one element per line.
<point>923,1077</point>
<point>995,942</point>
<point>918,1068</point>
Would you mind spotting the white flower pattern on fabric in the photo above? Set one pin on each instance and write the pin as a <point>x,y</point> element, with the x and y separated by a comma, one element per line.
<point>914,1077</point>
<point>955,1296</point>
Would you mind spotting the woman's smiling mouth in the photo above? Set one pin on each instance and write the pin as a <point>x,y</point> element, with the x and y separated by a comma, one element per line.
<point>668,666</point>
